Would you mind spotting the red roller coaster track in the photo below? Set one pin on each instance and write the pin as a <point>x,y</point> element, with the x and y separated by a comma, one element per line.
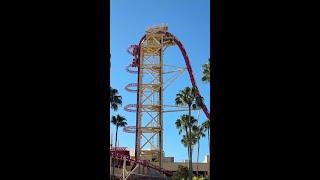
<point>134,50</point>
<point>141,162</point>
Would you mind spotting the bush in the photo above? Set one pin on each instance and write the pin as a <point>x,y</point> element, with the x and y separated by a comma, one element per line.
<point>206,178</point>
<point>182,173</point>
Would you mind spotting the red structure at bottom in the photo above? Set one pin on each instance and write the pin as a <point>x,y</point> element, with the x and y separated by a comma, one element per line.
<point>121,154</point>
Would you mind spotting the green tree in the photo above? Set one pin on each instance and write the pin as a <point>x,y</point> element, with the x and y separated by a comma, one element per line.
<point>189,96</point>
<point>198,133</point>
<point>115,99</point>
<point>206,128</point>
<point>206,72</point>
<point>118,121</point>
<point>186,140</point>
<point>181,173</point>
<point>183,124</point>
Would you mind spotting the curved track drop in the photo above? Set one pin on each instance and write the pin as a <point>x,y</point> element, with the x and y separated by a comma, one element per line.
<point>134,51</point>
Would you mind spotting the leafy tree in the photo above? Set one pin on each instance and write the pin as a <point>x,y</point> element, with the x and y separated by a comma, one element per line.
<point>206,128</point>
<point>206,72</point>
<point>182,173</point>
<point>118,121</point>
<point>189,96</point>
<point>115,99</point>
<point>183,124</point>
<point>198,132</point>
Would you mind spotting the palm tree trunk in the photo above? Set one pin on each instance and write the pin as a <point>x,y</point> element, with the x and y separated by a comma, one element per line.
<point>209,139</point>
<point>198,159</point>
<point>188,161</point>
<point>187,134</point>
<point>115,149</point>
<point>209,149</point>
<point>188,149</point>
<point>190,152</point>
<point>191,162</point>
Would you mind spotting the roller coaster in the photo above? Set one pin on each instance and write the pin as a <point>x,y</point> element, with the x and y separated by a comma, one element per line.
<point>148,65</point>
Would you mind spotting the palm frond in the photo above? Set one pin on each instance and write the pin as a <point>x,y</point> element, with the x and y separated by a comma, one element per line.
<point>119,121</point>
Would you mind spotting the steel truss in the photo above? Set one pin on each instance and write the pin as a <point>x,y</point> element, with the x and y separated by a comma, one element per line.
<point>148,64</point>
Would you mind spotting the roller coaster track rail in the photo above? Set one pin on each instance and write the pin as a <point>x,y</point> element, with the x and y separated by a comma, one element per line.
<point>140,162</point>
<point>134,68</point>
<point>134,50</point>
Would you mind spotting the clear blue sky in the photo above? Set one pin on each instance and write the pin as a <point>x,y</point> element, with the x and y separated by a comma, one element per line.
<point>189,21</point>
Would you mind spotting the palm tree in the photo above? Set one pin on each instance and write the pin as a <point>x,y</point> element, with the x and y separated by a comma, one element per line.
<point>185,139</point>
<point>206,72</point>
<point>118,121</point>
<point>198,132</point>
<point>186,143</point>
<point>115,99</point>
<point>206,127</point>
<point>182,124</point>
<point>189,96</point>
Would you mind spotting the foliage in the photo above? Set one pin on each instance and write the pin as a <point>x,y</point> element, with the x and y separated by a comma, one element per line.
<point>200,178</point>
<point>188,96</point>
<point>118,121</point>
<point>206,128</point>
<point>115,99</point>
<point>206,125</point>
<point>185,140</point>
<point>206,178</point>
<point>198,132</point>
<point>185,122</point>
<point>182,173</point>
<point>206,72</point>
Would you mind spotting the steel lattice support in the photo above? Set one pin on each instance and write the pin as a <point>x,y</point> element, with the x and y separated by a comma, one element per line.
<point>149,129</point>
<point>149,61</point>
